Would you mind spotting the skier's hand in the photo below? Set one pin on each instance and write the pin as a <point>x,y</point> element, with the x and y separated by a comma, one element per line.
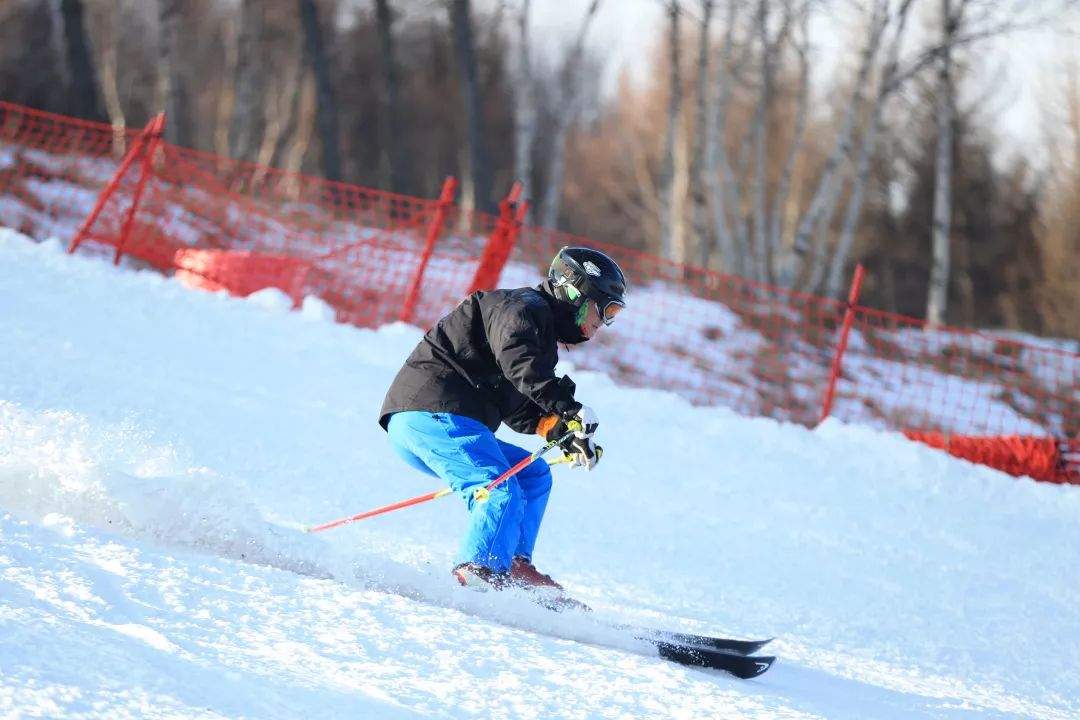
<point>588,421</point>
<point>581,452</point>
<point>553,427</point>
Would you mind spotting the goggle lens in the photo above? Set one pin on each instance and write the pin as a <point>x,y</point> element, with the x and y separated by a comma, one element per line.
<point>609,312</point>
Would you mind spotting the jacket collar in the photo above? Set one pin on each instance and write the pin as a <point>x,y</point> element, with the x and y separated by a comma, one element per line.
<point>566,327</point>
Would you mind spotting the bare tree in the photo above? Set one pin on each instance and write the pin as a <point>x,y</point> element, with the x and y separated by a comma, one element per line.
<point>703,109</point>
<point>524,106</point>
<point>326,108</point>
<point>391,105</point>
<point>667,189</point>
<point>886,88</point>
<point>248,123</point>
<point>478,173</point>
<point>172,87</point>
<point>569,107</point>
<point>771,46</point>
<point>777,228</point>
<point>83,98</point>
<point>107,46</point>
<point>937,297</point>
<point>724,195</point>
<point>960,27</point>
<point>827,192</point>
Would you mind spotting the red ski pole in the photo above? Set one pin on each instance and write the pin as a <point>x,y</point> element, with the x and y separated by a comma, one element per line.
<point>480,494</point>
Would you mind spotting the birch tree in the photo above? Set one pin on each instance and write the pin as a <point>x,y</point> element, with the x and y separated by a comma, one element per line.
<point>109,34</point>
<point>83,98</point>
<point>777,227</point>
<point>246,131</point>
<point>937,295</point>
<point>478,174</point>
<point>569,107</point>
<point>172,88</point>
<point>667,189</point>
<point>960,26</point>
<point>827,191</point>
<point>391,104</point>
<point>524,106</point>
<point>886,88</point>
<point>326,108</point>
<point>703,109</point>
<point>723,190</point>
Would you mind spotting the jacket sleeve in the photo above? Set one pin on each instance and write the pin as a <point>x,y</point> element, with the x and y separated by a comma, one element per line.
<point>514,337</point>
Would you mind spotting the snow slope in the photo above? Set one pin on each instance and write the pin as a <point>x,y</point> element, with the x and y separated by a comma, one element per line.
<point>161,449</point>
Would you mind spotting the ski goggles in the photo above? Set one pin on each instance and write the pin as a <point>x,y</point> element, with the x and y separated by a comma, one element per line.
<point>607,309</point>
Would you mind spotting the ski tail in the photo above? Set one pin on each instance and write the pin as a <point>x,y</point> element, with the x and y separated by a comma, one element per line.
<point>721,644</point>
<point>741,666</point>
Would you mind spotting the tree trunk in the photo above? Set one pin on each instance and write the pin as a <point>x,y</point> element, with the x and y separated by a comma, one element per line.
<point>306,119</point>
<point>173,88</point>
<point>83,97</point>
<point>723,189</point>
<point>827,193</point>
<point>704,108</point>
<point>524,108</point>
<point>248,121</point>
<point>674,117</point>
<point>838,263</point>
<point>478,169</point>
<point>759,143</point>
<point>326,107</point>
<point>937,298</point>
<point>227,99</point>
<point>110,90</point>
<point>778,222</point>
<point>569,77</point>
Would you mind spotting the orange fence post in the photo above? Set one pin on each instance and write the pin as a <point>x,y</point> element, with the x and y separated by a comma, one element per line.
<point>156,130</point>
<point>446,199</point>
<point>841,347</point>
<point>497,251</point>
<point>111,186</point>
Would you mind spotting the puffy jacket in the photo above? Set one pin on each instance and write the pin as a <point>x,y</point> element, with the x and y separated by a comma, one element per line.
<point>493,359</point>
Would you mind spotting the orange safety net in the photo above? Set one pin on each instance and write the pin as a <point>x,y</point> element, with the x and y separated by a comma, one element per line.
<point>1040,458</point>
<point>378,257</point>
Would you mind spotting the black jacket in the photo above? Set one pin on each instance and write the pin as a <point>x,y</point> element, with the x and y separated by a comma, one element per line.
<point>493,359</point>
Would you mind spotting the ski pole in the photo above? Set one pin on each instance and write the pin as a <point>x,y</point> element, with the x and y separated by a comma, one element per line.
<point>480,494</point>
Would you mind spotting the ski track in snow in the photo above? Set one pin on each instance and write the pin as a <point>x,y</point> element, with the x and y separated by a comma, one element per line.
<point>160,450</point>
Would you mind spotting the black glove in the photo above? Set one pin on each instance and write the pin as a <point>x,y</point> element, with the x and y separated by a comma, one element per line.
<point>579,447</point>
<point>581,451</point>
<point>553,427</point>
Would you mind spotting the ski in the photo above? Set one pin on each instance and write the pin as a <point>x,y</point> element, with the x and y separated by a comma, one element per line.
<point>706,642</point>
<point>741,666</point>
<point>717,653</point>
<point>560,602</point>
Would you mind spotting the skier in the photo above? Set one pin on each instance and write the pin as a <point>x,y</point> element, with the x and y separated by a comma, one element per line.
<point>490,361</point>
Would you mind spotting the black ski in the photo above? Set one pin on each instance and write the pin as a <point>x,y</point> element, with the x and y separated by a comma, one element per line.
<point>727,654</point>
<point>741,666</point>
<point>728,645</point>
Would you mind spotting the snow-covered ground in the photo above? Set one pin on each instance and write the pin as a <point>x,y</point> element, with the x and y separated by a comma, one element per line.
<point>161,449</point>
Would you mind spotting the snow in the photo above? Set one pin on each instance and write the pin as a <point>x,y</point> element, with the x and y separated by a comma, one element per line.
<point>161,450</point>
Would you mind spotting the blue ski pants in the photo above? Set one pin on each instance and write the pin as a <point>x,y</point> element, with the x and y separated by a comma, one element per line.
<point>466,455</point>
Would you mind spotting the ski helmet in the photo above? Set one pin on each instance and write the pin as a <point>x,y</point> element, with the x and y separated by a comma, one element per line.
<point>578,274</point>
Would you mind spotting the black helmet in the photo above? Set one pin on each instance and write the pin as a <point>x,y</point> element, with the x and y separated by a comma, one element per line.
<point>578,274</point>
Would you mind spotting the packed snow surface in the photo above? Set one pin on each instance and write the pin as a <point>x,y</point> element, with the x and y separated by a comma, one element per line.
<point>162,449</point>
